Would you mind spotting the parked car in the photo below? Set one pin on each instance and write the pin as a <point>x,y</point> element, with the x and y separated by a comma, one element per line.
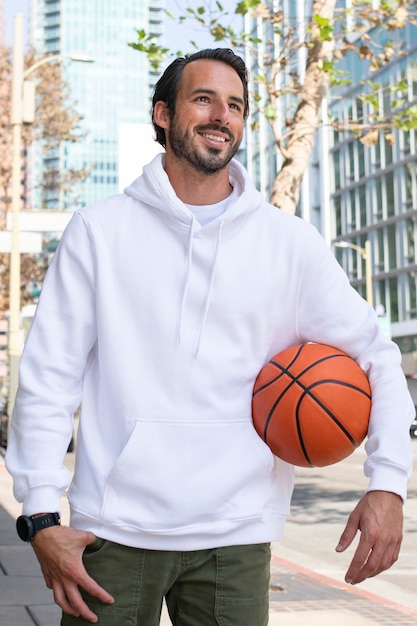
<point>413,428</point>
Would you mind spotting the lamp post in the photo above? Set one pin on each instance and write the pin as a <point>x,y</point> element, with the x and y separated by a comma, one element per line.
<point>22,111</point>
<point>365,252</point>
<point>14,339</point>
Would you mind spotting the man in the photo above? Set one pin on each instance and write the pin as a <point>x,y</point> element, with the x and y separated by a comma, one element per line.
<point>160,307</point>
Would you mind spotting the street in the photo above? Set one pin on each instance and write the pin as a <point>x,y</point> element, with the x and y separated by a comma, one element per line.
<point>322,501</point>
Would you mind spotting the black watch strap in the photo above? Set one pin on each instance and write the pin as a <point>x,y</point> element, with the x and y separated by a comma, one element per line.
<point>27,527</point>
<point>44,521</point>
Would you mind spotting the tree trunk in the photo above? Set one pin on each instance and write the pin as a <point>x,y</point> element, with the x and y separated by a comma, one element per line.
<point>300,142</point>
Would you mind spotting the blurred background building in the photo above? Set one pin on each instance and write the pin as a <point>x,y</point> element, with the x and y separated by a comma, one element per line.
<point>356,195</point>
<point>360,197</point>
<point>111,91</point>
<point>372,196</point>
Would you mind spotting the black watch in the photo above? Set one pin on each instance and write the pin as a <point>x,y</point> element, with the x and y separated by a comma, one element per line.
<point>27,527</point>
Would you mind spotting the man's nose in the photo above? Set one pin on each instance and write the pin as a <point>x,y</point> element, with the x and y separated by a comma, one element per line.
<point>221,112</point>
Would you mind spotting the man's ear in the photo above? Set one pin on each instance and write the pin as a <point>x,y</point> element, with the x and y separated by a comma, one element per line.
<point>161,114</point>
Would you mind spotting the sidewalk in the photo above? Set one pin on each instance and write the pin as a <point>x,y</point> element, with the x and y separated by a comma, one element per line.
<point>298,595</point>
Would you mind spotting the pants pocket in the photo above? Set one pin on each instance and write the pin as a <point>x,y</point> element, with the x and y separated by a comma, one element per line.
<point>242,590</point>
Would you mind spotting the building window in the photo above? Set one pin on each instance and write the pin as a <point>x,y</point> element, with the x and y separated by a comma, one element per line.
<point>389,193</point>
<point>412,295</point>
<point>393,295</point>
<point>362,206</point>
<point>410,240</point>
<point>392,246</point>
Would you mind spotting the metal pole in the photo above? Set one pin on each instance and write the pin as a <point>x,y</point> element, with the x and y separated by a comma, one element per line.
<point>368,272</point>
<point>14,339</point>
<point>366,255</point>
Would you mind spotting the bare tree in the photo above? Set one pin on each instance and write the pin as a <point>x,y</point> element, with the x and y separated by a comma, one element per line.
<point>321,41</point>
<point>56,121</point>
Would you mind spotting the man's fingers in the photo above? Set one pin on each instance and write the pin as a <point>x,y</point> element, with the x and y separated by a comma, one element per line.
<point>71,602</point>
<point>94,589</point>
<point>370,560</point>
<point>68,596</point>
<point>60,552</point>
<point>349,532</point>
<point>379,518</point>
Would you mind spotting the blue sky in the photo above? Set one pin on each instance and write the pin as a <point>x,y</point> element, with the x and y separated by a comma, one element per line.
<point>176,38</point>
<point>11,7</point>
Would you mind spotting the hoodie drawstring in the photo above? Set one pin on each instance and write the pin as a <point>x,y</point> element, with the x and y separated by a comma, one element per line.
<point>210,288</point>
<point>187,281</point>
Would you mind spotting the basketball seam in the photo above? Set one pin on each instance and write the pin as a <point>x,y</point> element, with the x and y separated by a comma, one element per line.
<point>306,391</point>
<point>294,380</point>
<point>284,370</point>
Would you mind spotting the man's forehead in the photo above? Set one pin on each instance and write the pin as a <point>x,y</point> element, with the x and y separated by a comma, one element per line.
<point>202,73</point>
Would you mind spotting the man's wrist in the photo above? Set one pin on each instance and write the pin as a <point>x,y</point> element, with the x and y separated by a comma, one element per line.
<point>27,526</point>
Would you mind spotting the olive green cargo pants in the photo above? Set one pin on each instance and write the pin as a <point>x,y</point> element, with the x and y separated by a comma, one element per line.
<point>217,587</point>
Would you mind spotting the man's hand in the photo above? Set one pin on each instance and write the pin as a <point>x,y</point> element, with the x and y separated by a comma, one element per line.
<point>379,518</point>
<point>59,550</point>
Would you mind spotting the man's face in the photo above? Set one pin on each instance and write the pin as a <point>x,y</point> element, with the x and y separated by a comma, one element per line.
<point>207,126</point>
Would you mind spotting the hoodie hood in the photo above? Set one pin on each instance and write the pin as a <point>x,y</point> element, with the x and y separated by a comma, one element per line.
<point>154,189</point>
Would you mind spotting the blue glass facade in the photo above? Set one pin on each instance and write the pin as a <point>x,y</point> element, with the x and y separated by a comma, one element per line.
<point>374,189</point>
<point>113,89</point>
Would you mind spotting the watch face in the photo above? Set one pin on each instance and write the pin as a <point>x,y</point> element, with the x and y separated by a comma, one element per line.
<point>24,527</point>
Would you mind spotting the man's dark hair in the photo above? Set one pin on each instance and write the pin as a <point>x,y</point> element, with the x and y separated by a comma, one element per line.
<point>167,87</point>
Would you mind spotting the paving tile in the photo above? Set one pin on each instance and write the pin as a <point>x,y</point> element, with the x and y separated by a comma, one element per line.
<point>8,535</point>
<point>24,591</point>
<point>16,616</point>
<point>320,618</point>
<point>19,561</point>
<point>46,615</point>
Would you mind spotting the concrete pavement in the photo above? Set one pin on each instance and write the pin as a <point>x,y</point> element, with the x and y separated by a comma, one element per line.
<point>299,595</point>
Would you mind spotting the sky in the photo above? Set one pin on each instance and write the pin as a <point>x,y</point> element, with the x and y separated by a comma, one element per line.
<point>11,8</point>
<point>175,38</point>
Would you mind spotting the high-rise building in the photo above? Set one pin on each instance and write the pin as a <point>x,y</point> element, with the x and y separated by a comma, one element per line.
<point>358,196</point>
<point>113,89</point>
<point>373,191</point>
<point>263,157</point>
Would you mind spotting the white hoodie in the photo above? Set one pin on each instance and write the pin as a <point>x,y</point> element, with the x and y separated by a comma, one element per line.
<point>160,327</point>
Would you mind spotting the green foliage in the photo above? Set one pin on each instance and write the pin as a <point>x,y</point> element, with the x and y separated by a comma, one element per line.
<point>365,30</point>
<point>406,120</point>
<point>218,32</point>
<point>325,27</point>
<point>147,44</point>
<point>244,6</point>
<point>270,112</point>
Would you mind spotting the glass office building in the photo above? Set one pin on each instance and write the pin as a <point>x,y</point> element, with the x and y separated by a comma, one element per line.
<point>373,192</point>
<point>358,196</point>
<point>263,157</point>
<point>113,89</point>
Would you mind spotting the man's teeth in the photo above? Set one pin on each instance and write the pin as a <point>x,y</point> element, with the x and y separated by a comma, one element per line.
<point>215,137</point>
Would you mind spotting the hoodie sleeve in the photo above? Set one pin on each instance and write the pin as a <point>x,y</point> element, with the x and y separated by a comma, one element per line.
<point>57,351</point>
<point>332,312</point>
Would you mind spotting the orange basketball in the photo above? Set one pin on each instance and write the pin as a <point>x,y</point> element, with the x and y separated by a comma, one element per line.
<point>311,405</point>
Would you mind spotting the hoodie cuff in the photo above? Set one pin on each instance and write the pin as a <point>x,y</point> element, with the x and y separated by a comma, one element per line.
<point>389,478</point>
<point>42,500</point>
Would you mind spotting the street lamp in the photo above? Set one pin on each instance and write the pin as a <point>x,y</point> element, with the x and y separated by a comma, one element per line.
<point>366,255</point>
<point>22,111</point>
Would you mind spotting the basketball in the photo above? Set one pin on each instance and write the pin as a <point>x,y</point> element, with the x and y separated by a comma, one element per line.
<point>311,405</point>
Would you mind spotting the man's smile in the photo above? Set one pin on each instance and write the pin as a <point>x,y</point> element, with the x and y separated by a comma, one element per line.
<point>214,137</point>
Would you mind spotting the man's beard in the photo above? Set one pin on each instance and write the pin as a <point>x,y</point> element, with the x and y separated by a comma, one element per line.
<point>208,162</point>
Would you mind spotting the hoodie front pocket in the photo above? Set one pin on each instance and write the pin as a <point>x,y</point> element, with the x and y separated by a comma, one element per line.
<point>172,475</point>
